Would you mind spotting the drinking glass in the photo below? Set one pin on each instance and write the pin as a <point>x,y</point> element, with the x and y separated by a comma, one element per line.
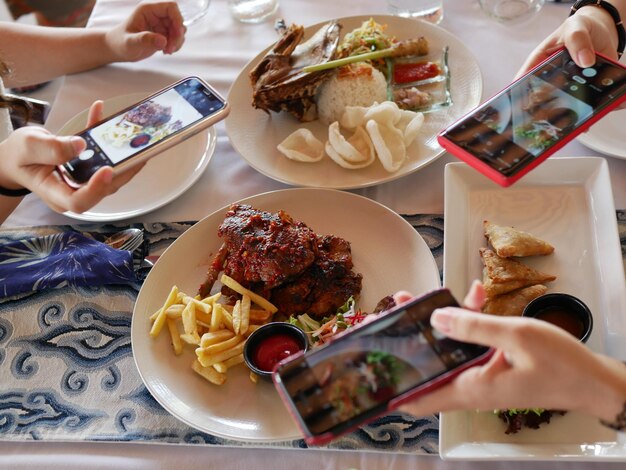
<point>252,11</point>
<point>511,10</point>
<point>192,10</point>
<point>429,10</point>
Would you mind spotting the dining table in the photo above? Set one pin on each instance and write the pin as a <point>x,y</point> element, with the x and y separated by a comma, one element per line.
<point>217,47</point>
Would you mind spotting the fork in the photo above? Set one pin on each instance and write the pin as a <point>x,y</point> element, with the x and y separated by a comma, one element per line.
<point>127,240</point>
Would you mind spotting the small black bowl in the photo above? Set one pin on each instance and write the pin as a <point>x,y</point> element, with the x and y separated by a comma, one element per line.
<point>564,311</point>
<point>267,337</point>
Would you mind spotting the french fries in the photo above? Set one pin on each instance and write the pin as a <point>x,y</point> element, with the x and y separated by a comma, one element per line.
<point>256,298</point>
<point>216,331</point>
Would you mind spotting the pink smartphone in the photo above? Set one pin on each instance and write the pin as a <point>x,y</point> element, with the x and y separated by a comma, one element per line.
<point>517,129</point>
<point>372,369</point>
<point>146,128</point>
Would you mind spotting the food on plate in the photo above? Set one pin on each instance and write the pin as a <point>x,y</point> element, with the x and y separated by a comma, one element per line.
<point>353,153</point>
<point>509,283</point>
<point>513,303</point>
<point>510,286</point>
<point>421,83</point>
<point>382,130</point>
<point>327,78</point>
<point>348,315</point>
<point>278,82</point>
<point>292,76</point>
<point>516,419</point>
<point>216,331</point>
<point>502,275</point>
<point>409,47</point>
<point>368,37</point>
<point>284,261</point>
<point>352,85</point>
<point>508,241</point>
<point>407,72</point>
<point>302,146</point>
<point>411,97</point>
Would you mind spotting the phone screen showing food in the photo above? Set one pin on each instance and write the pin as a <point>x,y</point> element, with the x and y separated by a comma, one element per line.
<point>353,378</point>
<point>518,125</point>
<point>134,130</point>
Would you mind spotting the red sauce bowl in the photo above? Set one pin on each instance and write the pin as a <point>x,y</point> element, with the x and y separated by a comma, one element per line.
<point>272,343</point>
<point>563,310</point>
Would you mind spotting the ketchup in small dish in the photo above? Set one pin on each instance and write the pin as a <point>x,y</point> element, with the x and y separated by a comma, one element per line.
<point>272,343</point>
<point>273,349</point>
<point>563,310</point>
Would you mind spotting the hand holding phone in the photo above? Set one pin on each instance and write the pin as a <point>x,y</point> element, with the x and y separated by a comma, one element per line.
<point>143,130</point>
<point>516,130</point>
<point>372,369</point>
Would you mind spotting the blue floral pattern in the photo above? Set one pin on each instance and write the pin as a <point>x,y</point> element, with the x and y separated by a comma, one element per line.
<point>59,260</point>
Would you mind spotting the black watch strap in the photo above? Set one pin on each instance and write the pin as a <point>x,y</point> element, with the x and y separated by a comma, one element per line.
<point>14,192</point>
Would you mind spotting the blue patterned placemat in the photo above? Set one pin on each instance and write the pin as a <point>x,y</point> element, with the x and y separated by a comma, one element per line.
<point>68,372</point>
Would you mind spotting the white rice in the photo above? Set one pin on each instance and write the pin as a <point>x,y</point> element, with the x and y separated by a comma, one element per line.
<point>354,90</point>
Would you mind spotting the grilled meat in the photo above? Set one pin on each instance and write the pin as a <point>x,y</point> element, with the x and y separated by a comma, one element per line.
<point>265,248</point>
<point>278,82</point>
<point>284,261</point>
<point>324,286</point>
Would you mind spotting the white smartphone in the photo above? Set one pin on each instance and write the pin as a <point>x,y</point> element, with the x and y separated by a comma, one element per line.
<point>146,128</point>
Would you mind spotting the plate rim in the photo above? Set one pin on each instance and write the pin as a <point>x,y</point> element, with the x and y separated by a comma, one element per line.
<point>392,176</point>
<point>480,450</point>
<point>595,143</point>
<point>208,150</point>
<point>287,191</point>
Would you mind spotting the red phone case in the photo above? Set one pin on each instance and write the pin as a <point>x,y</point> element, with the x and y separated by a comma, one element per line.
<point>393,404</point>
<point>494,174</point>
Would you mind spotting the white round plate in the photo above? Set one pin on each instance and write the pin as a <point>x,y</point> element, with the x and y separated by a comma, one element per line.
<point>254,134</point>
<point>386,250</point>
<point>139,196</point>
<point>607,135</point>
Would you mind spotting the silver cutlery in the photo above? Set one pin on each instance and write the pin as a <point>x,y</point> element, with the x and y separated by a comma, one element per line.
<point>128,240</point>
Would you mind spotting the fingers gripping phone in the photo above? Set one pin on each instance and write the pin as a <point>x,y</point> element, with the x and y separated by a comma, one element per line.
<point>516,130</point>
<point>372,369</point>
<point>147,128</point>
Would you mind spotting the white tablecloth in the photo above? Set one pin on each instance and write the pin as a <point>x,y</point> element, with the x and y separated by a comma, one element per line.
<point>216,48</point>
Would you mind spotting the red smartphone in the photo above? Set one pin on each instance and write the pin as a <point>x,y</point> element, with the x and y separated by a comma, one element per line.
<point>146,128</point>
<point>371,370</point>
<point>517,129</point>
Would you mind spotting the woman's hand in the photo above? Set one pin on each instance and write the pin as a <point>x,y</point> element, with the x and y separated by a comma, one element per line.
<point>30,155</point>
<point>590,29</point>
<point>535,365</point>
<point>152,27</point>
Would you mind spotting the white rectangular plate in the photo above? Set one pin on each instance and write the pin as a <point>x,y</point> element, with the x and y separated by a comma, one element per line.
<point>568,202</point>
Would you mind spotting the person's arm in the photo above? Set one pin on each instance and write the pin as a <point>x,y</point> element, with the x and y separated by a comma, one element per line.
<point>34,53</point>
<point>590,29</point>
<point>536,365</point>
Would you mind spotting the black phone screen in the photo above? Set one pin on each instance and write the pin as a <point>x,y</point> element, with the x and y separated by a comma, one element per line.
<point>519,124</point>
<point>354,377</point>
<point>134,130</point>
